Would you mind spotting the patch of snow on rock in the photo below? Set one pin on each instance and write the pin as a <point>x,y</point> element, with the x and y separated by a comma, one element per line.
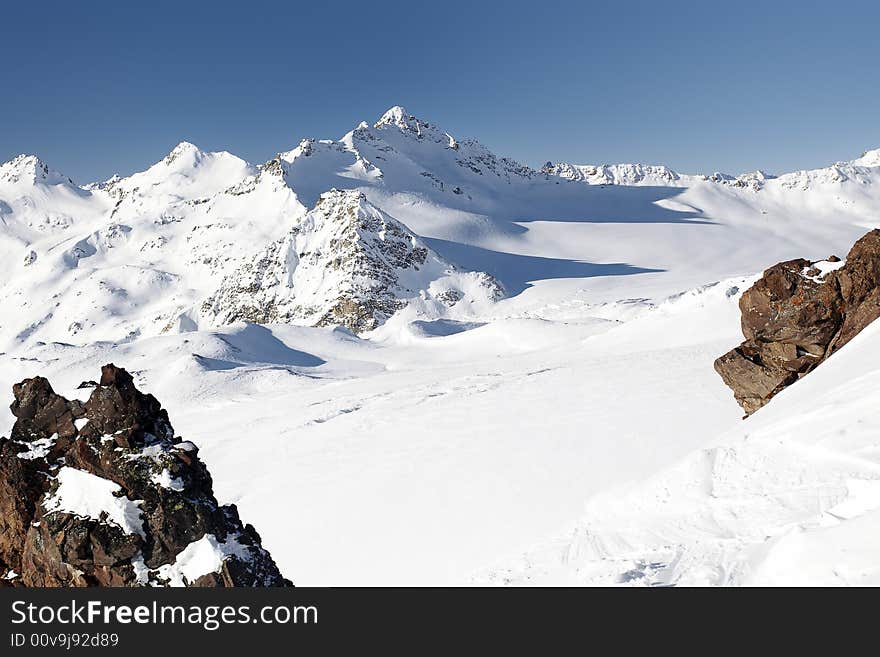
<point>86,495</point>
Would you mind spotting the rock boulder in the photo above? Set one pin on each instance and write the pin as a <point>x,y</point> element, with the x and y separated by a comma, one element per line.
<point>796,316</point>
<point>102,493</point>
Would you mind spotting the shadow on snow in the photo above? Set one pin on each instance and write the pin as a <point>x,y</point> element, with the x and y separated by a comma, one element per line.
<point>517,272</point>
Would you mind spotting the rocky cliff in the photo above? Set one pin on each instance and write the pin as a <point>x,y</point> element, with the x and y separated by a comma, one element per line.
<point>102,493</point>
<point>796,316</point>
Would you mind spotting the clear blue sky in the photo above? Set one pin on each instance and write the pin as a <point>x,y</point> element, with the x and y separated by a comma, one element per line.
<point>99,87</point>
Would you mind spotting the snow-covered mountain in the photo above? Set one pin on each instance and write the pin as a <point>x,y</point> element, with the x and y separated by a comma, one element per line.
<point>859,170</point>
<point>145,254</point>
<point>613,174</point>
<point>527,339</point>
<point>346,263</point>
<point>29,170</point>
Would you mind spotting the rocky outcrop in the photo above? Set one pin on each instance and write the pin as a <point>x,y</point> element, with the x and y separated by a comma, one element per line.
<point>796,316</point>
<point>101,493</point>
<point>345,263</point>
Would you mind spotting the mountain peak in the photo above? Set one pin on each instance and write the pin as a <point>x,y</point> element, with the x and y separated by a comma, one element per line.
<point>398,117</point>
<point>348,263</point>
<point>184,148</point>
<point>870,158</point>
<point>30,168</point>
<point>394,115</point>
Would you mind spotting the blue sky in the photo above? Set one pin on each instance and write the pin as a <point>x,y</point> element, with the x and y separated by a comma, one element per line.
<point>99,87</point>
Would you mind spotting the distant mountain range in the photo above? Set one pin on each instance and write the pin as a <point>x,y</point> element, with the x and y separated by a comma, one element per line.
<point>200,239</point>
<point>408,360</point>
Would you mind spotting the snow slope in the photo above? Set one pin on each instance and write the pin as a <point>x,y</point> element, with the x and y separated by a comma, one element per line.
<point>790,496</point>
<point>447,440</point>
<point>419,458</point>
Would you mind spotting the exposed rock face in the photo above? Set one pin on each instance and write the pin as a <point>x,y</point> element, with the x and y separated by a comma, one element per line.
<point>796,316</point>
<point>102,493</point>
<point>347,263</point>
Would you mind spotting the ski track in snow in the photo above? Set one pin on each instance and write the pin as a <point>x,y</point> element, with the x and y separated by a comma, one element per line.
<point>571,433</point>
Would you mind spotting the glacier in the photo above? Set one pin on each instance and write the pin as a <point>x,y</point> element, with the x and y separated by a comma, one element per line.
<point>448,367</point>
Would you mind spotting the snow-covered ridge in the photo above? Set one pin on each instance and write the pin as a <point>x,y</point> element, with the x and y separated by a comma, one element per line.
<point>31,170</point>
<point>649,174</point>
<point>870,158</point>
<point>347,263</point>
<point>473,155</point>
<point>147,251</point>
<point>860,170</point>
<point>404,121</point>
<point>186,173</point>
<point>613,174</point>
<point>398,128</point>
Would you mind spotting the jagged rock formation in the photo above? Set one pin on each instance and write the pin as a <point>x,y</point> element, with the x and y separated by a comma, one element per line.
<point>101,493</point>
<point>612,174</point>
<point>796,316</point>
<point>648,175</point>
<point>346,263</point>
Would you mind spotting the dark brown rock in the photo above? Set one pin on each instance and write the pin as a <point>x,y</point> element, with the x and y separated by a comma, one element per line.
<point>794,317</point>
<point>123,438</point>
